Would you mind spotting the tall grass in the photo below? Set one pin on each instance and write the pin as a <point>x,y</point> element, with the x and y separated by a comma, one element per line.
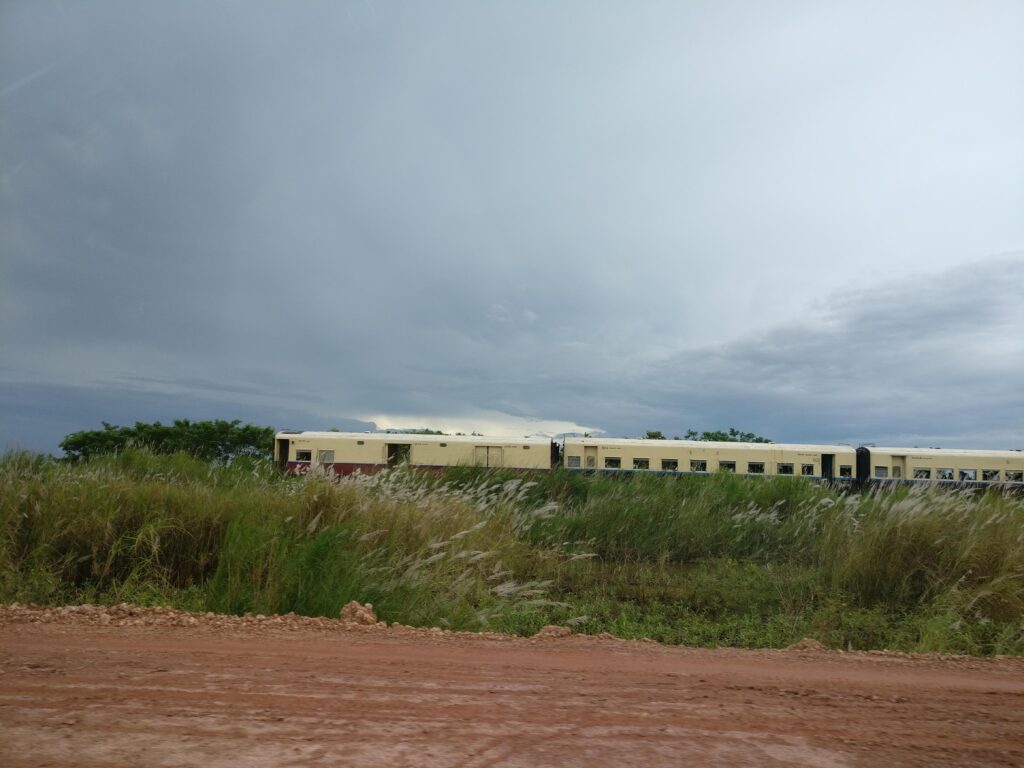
<point>717,560</point>
<point>422,553</point>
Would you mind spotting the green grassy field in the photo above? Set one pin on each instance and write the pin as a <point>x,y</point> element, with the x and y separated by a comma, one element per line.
<point>725,560</point>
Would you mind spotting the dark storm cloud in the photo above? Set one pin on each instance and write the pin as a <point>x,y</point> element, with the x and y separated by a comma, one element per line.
<point>193,177</point>
<point>37,417</point>
<point>932,359</point>
<point>584,212</point>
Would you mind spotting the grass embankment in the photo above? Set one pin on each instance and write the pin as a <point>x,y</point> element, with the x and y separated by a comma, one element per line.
<point>710,561</point>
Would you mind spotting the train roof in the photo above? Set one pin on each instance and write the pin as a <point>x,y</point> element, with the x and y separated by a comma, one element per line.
<point>939,452</point>
<point>630,442</point>
<point>416,438</point>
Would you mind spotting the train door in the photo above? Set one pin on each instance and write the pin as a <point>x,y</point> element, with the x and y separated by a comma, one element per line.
<point>863,465</point>
<point>398,453</point>
<point>828,461</point>
<point>590,456</point>
<point>282,454</point>
<point>488,456</point>
<point>899,467</point>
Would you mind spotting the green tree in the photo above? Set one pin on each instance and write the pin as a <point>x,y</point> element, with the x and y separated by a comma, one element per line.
<point>211,440</point>
<point>732,436</point>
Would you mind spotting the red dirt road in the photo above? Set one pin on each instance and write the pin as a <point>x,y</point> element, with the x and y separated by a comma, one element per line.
<point>83,691</point>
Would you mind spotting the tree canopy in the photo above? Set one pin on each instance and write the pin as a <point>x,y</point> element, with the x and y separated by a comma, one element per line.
<point>211,440</point>
<point>719,436</point>
<point>732,436</point>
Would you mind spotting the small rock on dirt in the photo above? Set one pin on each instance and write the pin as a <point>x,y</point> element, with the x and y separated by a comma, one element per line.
<point>354,613</point>
<point>551,631</point>
<point>807,644</point>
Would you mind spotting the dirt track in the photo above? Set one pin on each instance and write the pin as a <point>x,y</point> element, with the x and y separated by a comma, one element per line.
<point>138,688</point>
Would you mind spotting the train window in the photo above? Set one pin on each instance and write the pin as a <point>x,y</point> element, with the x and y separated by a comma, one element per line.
<point>591,462</point>
<point>784,469</point>
<point>990,475</point>
<point>698,465</point>
<point>303,455</point>
<point>846,470</point>
<point>755,467</point>
<point>641,463</point>
<point>1014,476</point>
<point>325,457</point>
<point>573,462</point>
<point>968,474</point>
<point>443,445</point>
<point>922,473</point>
<point>612,462</point>
<point>881,472</point>
<point>727,466</point>
<point>807,470</point>
<point>669,465</point>
<point>360,442</point>
<point>944,473</point>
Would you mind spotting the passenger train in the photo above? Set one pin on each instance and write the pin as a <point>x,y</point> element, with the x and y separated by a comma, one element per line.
<point>346,452</point>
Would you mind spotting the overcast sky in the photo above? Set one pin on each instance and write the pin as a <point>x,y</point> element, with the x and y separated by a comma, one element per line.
<point>801,219</point>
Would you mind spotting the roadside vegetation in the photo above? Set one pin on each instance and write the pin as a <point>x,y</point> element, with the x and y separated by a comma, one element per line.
<point>725,560</point>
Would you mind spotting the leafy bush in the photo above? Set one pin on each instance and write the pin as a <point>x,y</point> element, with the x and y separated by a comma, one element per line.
<point>207,440</point>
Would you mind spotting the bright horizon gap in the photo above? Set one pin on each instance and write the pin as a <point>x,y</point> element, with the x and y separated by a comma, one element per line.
<point>490,423</point>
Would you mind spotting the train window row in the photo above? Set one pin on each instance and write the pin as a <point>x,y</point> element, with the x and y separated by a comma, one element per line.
<point>701,465</point>
<point>949,473</point>
<point>327,456</point>
<point>881,472</point>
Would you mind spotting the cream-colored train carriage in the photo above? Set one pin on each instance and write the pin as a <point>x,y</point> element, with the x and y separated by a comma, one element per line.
<point>348,452</point>
<point>829,462</point>
<point>878,465</point>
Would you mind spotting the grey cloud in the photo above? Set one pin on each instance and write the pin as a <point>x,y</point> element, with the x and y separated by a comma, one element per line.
<point>929,358</point>
<point>326,205</point>
<point>38,416</point>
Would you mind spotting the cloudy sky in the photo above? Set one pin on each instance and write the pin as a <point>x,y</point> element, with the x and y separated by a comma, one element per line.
<point>801,219</point>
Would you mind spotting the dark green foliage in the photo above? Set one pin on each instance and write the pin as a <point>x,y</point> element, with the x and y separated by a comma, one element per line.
<point>732,436</point>
<point>208,440</point>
